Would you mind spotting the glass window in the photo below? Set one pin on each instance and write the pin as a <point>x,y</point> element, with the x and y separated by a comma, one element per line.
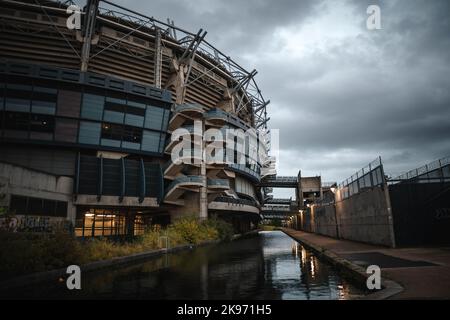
<point>114,110</point>
<point>134,120</point>
<point>112,131</point>
<point>132,134</point>
<point>18,97</point>
<point>43,107</point>
<point>154,118</point>
<point>17,121</point>
<point>92,106</point>
<point>110,143</point>
<point>150,141</point>
<point>135,113</point>
<point>166,120</point>
<point>44,100</point>
<point>89,132</point>
<point>21,105</point>
<point>131,145</point>
<point>162,143</point>
<point>42,123</point>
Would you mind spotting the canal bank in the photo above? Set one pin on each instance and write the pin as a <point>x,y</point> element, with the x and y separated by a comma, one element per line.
<point>270,266</point>
<point>61,274</point>
<point>408,273</point>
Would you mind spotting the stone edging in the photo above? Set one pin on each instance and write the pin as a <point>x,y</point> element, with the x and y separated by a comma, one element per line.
<point>389,287</point>
<point>51,275</point>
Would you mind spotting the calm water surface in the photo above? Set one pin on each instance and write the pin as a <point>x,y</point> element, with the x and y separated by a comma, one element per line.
<point>270,266</point>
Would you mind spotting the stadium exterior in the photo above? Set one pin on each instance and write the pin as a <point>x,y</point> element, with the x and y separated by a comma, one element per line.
<point>87,116</point>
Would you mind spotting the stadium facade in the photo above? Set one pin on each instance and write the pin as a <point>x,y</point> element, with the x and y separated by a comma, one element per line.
<point>88,113</point>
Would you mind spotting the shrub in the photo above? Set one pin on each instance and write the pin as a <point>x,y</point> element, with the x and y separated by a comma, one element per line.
<point>22,253</point>
<point>193,231</point>
<point>225,230</point>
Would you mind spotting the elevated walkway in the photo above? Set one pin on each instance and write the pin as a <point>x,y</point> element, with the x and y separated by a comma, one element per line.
<point>279,182</point>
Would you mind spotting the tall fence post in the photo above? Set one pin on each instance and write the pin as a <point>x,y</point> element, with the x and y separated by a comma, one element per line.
<point>389,207</point>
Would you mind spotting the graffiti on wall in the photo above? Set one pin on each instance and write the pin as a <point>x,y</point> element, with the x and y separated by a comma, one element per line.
<point>35,224</point>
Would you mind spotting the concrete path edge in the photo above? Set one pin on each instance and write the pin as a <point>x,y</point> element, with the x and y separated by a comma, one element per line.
<point>389,287</point>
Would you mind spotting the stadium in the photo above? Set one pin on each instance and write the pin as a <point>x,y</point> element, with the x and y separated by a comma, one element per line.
<point>87,116</point>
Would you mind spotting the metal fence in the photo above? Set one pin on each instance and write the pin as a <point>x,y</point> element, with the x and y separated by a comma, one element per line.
<point>368,177</point>
<point>436,171</point>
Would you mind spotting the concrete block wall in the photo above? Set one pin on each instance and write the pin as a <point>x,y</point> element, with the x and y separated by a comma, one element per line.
<point>325,220</point>
<point>24,182</point>
<point>363,217</point>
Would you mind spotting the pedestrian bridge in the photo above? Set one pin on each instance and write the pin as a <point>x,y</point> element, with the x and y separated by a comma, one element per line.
<point>280,182</point>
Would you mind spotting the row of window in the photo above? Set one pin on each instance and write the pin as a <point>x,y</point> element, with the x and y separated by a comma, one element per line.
<point>121,111</point>
<point>50,128</point>
<point>92,104</point>
<point>109,222</point>
<point>20,205</point>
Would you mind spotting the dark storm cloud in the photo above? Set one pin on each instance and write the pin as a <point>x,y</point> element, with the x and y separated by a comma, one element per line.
<point>236,26</point>
<point>341,94</point>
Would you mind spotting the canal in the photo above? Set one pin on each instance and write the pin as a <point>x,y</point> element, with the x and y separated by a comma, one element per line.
<point>268,266</point>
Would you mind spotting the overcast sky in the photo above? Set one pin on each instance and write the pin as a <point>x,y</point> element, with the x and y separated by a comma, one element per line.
<point>341,94</point>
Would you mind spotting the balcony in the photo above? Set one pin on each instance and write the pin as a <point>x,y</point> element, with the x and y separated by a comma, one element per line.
<point>196,136</point>
<point>189,157</point>
<point>242,169</point>
<point>216,117</point>
<point>184,112</point>
<point>180,185</point>
<point>232,204</point>
<point>218,185</point>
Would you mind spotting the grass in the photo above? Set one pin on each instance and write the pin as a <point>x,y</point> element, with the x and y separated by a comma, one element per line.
<point>24,253</point>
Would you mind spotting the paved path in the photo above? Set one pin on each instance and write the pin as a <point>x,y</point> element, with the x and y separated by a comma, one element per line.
<point>424,273</point>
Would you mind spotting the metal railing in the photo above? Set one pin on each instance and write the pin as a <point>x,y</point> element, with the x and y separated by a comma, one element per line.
<point>328,184</point>
<point>244,169</point>
<point>216,113</point>
<point>218,183</point>
<point>236,201</point>
<point>370,176</point>
<point>188,106</point>
<point>437,170</point>
<point>184,179</point>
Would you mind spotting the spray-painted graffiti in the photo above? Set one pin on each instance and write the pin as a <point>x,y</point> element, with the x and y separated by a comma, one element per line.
<point>34,224</point>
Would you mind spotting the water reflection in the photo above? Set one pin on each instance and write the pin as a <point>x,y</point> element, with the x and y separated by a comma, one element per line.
<point>270,266</point>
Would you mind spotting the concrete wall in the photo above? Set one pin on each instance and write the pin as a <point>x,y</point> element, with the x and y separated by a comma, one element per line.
<point>364,217</point>
<point>24,182</point>
<point>49,160</point>
<point>324,218</point>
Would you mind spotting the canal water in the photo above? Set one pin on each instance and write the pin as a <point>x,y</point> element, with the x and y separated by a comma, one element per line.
<point>268,266</point>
